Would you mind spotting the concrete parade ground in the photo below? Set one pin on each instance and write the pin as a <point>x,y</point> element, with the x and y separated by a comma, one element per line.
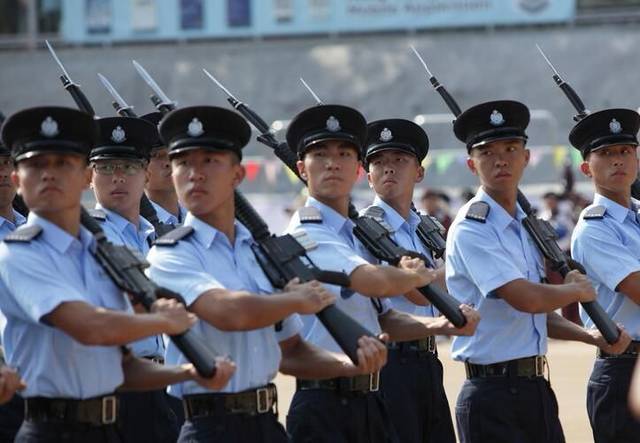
<point>570,365</point>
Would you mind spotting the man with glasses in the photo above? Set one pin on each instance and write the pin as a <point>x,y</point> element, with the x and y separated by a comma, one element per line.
<point>159,187</point>
<point>119,161</point>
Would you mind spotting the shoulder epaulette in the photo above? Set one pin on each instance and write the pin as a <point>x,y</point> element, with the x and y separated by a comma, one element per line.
<point>173,237</point>
<point>309,214</point>
<point>98,214</point>
<point>377,213</point>
<point>595,212</point>
<point>478,211</point>
<point>24,234</point>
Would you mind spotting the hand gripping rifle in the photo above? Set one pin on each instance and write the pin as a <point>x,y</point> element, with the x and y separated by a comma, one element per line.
<point>283,258</point>
<point>375,237</point>
<point>146,208</point>
<point>126,269</point>
<point>546,238</point>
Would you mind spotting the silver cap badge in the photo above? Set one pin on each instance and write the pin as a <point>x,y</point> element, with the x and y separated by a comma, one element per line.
<point>195,128</point>
<point>118,135</point>
<point>49,127</point>
<point>496,118</point>
<point>615,127</point>
<point>386,135</point>
<point>333,125</point>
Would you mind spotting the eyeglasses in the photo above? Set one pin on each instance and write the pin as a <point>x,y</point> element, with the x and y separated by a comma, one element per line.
<point>129,168</point>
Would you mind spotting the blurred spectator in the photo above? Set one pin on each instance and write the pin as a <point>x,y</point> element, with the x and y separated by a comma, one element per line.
<point>436,204</point>
<point>559,213</point>
<point>466,194</point>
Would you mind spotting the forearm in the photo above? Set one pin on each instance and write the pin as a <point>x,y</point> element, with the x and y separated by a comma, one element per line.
<point>145,375</point>
<point>537,298</point>
<point>405,327</point>
<point>306,361</point>
<point>243,311</point>
<point>382,281</point>
<point>560,328</point>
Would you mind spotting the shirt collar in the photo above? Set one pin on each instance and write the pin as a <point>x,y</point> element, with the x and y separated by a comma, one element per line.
<point>206,234</point>
<point>330,216</point>
<point>57,237</point>
<point>497,214</point>
<point>122,223</point>
<point>19,219</point>
<point>393,217</point>
<point>615,210</point>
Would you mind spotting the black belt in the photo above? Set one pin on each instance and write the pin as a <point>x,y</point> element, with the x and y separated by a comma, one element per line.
<point>427,345</point>
<point>632,352</point>
<point>97,411</point>
<point>251,402</point>
<point>360,384</point>
<point>522,367</point>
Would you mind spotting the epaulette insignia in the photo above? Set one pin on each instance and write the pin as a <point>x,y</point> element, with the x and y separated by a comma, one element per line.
<point>478,211</point>
<point>595,212</point>
<point>98,214</point>
<point>305,241</point>
<point>24,234</point>
<point>173,237</point>
<point>309,214</point>
<point>377,213</point>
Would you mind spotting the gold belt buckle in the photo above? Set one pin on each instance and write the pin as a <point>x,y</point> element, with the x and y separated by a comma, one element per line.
<point>374,381</point>
<point>539,361</point>
<point>109,409</point>
<point>262,397</point>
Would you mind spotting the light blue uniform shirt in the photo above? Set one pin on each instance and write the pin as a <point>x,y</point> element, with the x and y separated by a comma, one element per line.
<point>609,249</point>
<point>167,217</point>
<point>480,258</point>
<point>7,227</point>
<point>35,278</point>
<point>204,261</point>
<point>404,234</point>
<point>338,250</point>
<point>121,231</point>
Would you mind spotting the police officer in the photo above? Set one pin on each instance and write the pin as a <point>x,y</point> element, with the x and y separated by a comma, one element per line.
<point>328,140</point>
<point>66,320</point>
<point>412,380</point>
<point>211,262</point>
<point>159,187</point>
<point>492,262</point>
<point>606,241</point>
<point>119,161</point>
<point>11,411</point>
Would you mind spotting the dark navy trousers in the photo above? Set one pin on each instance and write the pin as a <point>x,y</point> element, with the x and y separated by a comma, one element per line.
<point>508,410</point>
<point>32,432</point>
<point>147,417</point>
<point>234,428</point>
<point>11,416</point>
<point>607,404</point>
<point>324,416</point>
<point>411,383</point>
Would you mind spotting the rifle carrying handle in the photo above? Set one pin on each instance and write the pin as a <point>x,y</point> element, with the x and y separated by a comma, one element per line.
<point>445,303</point>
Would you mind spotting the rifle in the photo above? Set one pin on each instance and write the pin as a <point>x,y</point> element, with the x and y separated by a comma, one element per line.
<point>126,269</point>
<point>283,258</point>
<point>146,208</point>
<point>545,238</point>
<point>368,230</point>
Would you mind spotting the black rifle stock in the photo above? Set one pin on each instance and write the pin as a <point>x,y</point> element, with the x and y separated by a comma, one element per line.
<point>283,258</point>
<point>545,237</point>
<point>125,268</point>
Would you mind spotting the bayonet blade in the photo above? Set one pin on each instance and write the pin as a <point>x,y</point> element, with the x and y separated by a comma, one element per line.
<point>220,85</point>
<point>116,96</point>
<point>55,57</point>
<point>415,51</point>
<point>544,56</point>
<point>311,91</point>
<point>152,83</point>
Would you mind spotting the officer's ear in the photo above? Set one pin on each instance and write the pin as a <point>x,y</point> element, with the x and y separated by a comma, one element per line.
<point>239,174</point>
<point>471,165</point>
<point>585,168</point>
<point>527,155</point>
<point>420,175</point>
<point>15,178</point>
<point>301,169</point>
